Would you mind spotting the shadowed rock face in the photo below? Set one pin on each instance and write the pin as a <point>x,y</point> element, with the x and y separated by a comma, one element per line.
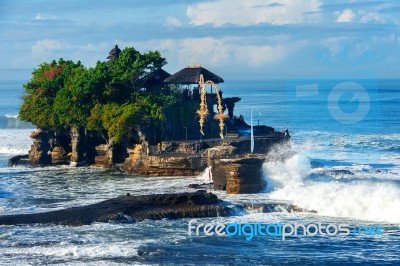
<point>128,209</point>
<point>39,152</point>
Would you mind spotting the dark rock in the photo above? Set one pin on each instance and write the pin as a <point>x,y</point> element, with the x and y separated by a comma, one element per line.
<point>203,185</point>
<point>273,207</point>
<point>39,154</point>
<point>116,153</point>
<point>60,147</point>
<point>101,158</point>
<point>18,159</point>
<point>128,208</point>
<point>78,145</point>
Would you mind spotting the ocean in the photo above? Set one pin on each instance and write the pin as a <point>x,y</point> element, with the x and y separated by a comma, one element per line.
<point>346,135</point>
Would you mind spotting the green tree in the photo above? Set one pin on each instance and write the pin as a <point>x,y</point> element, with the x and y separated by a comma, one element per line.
<point>106,98</point>
<point>74,101</point>
<point>41,91</point>
<point>117,120</point>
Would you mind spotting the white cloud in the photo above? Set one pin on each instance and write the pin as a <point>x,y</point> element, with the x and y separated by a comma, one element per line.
<point>356,49</point>
<point>203,50</point>
<point>46,46</point>
<point>42,16</point>
<point>392,39</point>
<point>90,47</point>
<point>228,51</point>
<point>334,45</point>
<point>50,49</point>
<point>189,51</point>
<point>347,15</point>
<point>246,13</point>
<point>258,55</point>
<point>363,16</point>
<point>359,50</point>
<point>172,21</point>
<point>373,17</point>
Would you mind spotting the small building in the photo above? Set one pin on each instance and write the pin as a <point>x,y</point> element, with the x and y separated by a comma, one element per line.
<point>189,78</point>
<point>114,53</point>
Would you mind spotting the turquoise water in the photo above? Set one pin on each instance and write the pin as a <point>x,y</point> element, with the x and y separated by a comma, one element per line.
<point>336,125</point>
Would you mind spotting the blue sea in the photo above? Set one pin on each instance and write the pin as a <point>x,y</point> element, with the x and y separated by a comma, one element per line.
<point>346,134</point>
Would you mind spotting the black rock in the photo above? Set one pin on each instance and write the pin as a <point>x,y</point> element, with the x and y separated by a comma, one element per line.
<point>19,159</point>
<point>128,209</point>
<point>201,186</point>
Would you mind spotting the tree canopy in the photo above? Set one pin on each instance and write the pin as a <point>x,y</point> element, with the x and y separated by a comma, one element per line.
<point>107,97</point>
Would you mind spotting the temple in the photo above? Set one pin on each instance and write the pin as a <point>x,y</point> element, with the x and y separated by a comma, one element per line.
<point>205,135</point>
<point>185,125</point>
<point>200,132</point>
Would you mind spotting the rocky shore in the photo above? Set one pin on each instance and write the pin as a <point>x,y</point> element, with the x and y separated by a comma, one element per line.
<point>130,209</point>
<point>233,168</point>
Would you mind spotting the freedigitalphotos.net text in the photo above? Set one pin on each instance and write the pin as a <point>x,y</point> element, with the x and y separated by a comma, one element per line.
<point>283,230</point>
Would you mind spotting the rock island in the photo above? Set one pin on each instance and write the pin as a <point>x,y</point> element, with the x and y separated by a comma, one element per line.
<point>129,113</point>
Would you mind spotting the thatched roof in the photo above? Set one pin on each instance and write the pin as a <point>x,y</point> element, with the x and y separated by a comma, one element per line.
<point>114,53</point>
<point>155,78</point>
<point>191,75</point>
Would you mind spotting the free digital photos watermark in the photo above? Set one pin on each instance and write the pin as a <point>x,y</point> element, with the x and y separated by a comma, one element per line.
<point>282,230</point>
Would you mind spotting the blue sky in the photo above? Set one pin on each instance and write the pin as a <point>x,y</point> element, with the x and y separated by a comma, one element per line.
<point>238,39</point>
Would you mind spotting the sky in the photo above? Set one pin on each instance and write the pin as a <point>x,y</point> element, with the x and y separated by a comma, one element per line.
<point>237,39</point>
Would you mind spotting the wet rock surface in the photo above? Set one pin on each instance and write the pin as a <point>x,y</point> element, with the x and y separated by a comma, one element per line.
<point>129,209</point>
<point>18,159</point>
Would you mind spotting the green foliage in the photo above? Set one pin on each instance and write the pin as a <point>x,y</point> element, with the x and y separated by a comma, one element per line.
<point>106,98</point>
<point>41,92</point>
<point>73,102</point>
<point>118,120</point>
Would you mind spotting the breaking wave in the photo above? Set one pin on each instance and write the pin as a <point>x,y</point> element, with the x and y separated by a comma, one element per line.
<point>15,141</point>
<point>335,188</point>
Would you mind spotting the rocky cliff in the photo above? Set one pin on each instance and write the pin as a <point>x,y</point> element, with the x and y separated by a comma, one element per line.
<point>234,169</point>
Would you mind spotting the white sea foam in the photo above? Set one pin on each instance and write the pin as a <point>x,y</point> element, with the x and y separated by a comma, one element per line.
<point>15,141</point>
<point>206,176</point>
<point>372,200</point>
<point>88,251</point>
<point>15,116</point>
